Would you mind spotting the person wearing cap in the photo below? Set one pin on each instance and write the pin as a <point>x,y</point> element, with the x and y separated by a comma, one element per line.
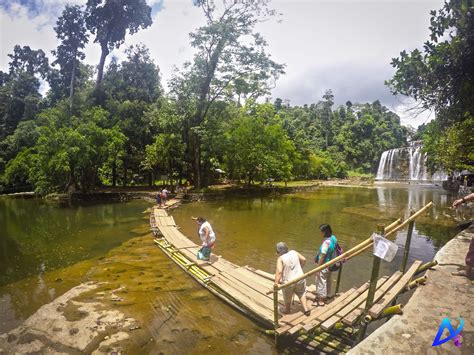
<point>289,267</point>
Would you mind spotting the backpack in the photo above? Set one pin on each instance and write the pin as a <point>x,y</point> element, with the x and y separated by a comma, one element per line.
<point>337,251</point>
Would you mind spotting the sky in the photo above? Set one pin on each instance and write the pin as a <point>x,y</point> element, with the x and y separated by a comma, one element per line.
<point>342,45</point>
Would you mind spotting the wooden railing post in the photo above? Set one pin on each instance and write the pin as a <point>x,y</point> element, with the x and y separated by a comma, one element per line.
<point>275,311</point>
<point>407,244</point>
<point>372,287</point>
<point>338,282</point>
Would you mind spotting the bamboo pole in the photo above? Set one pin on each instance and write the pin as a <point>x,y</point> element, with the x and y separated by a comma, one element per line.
<point>407,244</point>
<point>393,225</point>
<point>338,282</point>
<point>426,266</point>
<point>387,312</point>
<point>350,253</point>
<point>412,218</point>
<point>327,339</point>
<point>373,278</point>
<point>275,311</point>
<point>415,283</point>
<point>372,287</point>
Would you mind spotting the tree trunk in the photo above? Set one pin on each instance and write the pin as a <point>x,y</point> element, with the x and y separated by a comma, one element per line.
<point>196,161</point>
<point>202,110</point>
<point>100,70</point>
<point>124,174</point>
<point>71,86</point>
<point>71,186</point>
<point>114,174</point>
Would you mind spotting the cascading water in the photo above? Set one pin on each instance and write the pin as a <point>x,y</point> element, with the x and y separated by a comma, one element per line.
<point>408,163</point>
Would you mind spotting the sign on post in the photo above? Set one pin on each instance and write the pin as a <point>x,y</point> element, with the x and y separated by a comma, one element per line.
<point>384,248</point>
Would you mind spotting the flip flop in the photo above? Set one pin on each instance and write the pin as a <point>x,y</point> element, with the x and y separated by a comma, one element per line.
<point>307,313</point>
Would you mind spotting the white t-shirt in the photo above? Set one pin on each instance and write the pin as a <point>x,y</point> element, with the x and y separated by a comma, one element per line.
<point>202,233</point>
<point>291,266</point>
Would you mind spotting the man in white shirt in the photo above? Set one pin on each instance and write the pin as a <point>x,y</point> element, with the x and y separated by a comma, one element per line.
<point>289,267</point>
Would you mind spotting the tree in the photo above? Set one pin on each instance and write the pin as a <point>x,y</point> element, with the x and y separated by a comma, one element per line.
<point>231,62</point>
<point>69,152</point>
<point>327,114</point>
<point>165,155</point>
<point>129,89</point>
<point>71,31</point>
<point>109,21</point>
<point>441,78</point>
<point>19,89</point>
<point>258,149</point>
<point>136,79</point>
<point>26,60</point>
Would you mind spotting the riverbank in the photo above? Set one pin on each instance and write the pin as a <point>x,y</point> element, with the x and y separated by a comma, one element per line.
<point>212,192</point>
<point>443,296</point>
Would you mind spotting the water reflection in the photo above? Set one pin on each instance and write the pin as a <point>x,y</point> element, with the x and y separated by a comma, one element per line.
<point>36,236</point>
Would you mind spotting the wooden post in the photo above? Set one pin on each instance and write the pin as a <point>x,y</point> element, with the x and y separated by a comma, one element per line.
<point>275,311</point>
<point>374,277</point>
<point>372,287</point>
<point>407,244</point>
<point>339,273</point>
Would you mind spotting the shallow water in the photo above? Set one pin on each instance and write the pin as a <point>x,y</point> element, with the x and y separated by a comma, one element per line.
<point>248,229</point>
<point>47,249</point>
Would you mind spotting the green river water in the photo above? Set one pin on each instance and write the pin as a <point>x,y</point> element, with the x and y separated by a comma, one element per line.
<point>45,249</point>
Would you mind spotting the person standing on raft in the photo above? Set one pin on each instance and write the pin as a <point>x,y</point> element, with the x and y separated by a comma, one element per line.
<point>207,236</point>
<point>325,254</point>
<point>289,267</point>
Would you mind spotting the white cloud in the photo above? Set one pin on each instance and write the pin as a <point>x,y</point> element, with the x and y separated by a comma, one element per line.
<point>17,28</point>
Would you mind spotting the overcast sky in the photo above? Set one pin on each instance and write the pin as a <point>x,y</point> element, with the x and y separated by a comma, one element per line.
<point>344,45</point>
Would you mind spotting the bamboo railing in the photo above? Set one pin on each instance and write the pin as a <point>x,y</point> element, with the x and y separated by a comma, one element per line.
<point>359,248</point>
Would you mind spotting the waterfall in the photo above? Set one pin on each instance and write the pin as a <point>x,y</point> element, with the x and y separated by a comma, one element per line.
<point>408,163</point>
<point>381,168</point>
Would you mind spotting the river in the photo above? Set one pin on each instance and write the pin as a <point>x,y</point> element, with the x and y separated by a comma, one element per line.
<point>46,249</point>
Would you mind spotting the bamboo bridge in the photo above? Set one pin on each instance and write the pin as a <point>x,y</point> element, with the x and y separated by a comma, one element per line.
<point>335,327</point>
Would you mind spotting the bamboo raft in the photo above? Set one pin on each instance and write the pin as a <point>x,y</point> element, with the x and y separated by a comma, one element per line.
<point>329,328</point>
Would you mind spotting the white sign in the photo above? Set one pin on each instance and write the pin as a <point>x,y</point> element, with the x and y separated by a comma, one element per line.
<point>384,248</point>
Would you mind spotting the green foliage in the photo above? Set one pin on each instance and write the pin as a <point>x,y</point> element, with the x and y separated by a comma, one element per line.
<point>71,31</point>
<point>454,149</point>
<point>231,64</point>
<point>126,130</point>
<point>68,152</point>
<point>109,21</point>
<point>442,78</point>
<point>258,149</point>
<point>165,156</point>
<point>135,79</point>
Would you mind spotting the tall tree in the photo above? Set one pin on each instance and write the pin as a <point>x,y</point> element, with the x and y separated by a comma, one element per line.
<point>19,90</point>
<point>230,61</point>
<point>27,60</point>
<point>327,114</point>
<point>109,21</point>
<point>441,77</point>
<point>71,31</point>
